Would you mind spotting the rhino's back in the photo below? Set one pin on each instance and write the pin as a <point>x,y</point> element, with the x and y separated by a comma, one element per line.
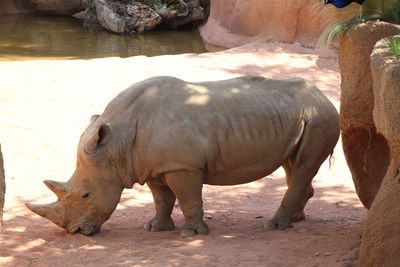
<point>245,126</point>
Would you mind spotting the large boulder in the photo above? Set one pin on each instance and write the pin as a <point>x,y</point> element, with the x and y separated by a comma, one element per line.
<point>58,7</point>
<point>2,187</point>
<point>366,150</point>
<point>236,22</point>
<point>380,242</point>
<point>126,18</point>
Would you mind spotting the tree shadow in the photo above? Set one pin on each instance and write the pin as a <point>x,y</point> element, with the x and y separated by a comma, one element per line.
<point>280,61</point>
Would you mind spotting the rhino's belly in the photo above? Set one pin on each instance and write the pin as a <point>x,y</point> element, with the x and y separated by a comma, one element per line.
<point>248,161</point>
<point>241,175</point>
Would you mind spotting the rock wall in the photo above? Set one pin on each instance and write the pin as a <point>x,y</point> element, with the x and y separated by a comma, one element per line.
<point>366,150</point>
<point>2,187</point>
<point>58,7</point>
<point>54,7</point>
<point>380,242</point>
<point>235,22</point>
<point>15,6</point>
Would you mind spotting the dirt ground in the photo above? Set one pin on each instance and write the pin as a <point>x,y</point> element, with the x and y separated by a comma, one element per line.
<point>45,105</point>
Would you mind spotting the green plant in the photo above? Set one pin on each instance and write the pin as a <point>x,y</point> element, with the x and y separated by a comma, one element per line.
<point>90,6</point>
<point>385,10</point>
<point>91,13</point>
<point>394,45</point>
<point>161,5</point>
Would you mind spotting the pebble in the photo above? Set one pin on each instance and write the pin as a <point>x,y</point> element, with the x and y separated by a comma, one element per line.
<point>71,246</point>
<point>316,254</point>
<point>208,216</point>
<point>253,238</point>
<point>327,254</point>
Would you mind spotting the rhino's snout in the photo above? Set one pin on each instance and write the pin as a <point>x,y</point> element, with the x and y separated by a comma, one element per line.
<point>85,229</point>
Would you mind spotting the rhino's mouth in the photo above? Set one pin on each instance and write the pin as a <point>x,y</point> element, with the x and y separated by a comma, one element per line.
<point>85,229</point>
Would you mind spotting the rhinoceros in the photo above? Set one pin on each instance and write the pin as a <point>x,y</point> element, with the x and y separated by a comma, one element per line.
<point>176,136</point>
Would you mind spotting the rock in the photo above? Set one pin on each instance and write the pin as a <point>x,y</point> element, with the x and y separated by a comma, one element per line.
<point>196,15</point>
<point>2,187</point>
<point>380,244</point>
<point>58,7</point>
<point>236,22</point>
<point>366,150</point>
<point>182,13</point>
<point>166,14</point>
<point>126,18</point>
<point>171,10</point>
<point>327,254</point>
<point>208,216</point>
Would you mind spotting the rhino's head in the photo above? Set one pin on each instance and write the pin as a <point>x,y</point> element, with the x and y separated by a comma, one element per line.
<point>88,199</point>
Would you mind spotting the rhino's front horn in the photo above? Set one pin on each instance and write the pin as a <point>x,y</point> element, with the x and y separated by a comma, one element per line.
<point>51,212</point>
<point>59,188</point>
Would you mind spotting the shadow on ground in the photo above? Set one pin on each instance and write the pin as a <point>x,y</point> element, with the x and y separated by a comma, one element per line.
<point>238,214</point>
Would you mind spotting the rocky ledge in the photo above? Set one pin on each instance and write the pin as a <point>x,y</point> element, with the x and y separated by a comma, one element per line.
<point>380,242</point>
<point>370,122</point>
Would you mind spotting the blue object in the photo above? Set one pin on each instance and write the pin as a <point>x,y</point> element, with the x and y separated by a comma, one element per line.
<point>342,3</point>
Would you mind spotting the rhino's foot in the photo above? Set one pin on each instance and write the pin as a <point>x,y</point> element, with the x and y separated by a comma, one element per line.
<point>298,216</point>
<point>274,224</point>
<point>201,229</point>
<point>157,225</point>
<point>281,220</point>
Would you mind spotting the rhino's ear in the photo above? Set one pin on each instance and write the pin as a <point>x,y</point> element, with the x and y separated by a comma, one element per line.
<point>94,118</point>
<point>99,137</point>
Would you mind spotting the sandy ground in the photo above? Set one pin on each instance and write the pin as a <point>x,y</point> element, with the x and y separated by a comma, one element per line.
<point>44,107</point>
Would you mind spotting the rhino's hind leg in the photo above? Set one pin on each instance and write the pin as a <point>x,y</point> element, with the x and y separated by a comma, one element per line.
<point>299,214</point>
<point>164,200</point>
<point>315,147</point>
<point>187,186</point>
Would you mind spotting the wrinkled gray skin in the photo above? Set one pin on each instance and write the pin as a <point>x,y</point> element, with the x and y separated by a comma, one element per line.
<point>176,136</point>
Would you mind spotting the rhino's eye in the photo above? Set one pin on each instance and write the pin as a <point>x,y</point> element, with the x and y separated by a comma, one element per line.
<point>84,193</point>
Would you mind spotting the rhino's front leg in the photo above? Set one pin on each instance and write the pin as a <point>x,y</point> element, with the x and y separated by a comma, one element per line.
<point>164,200</point>
<point>187,187</point>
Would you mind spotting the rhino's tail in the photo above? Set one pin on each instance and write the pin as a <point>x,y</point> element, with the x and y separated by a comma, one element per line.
<point>331,160</point>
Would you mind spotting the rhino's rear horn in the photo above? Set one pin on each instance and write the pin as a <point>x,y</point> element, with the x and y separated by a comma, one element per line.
<point>59,188</point>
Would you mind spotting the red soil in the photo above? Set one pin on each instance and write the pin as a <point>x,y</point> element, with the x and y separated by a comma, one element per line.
<point>45,105</point>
